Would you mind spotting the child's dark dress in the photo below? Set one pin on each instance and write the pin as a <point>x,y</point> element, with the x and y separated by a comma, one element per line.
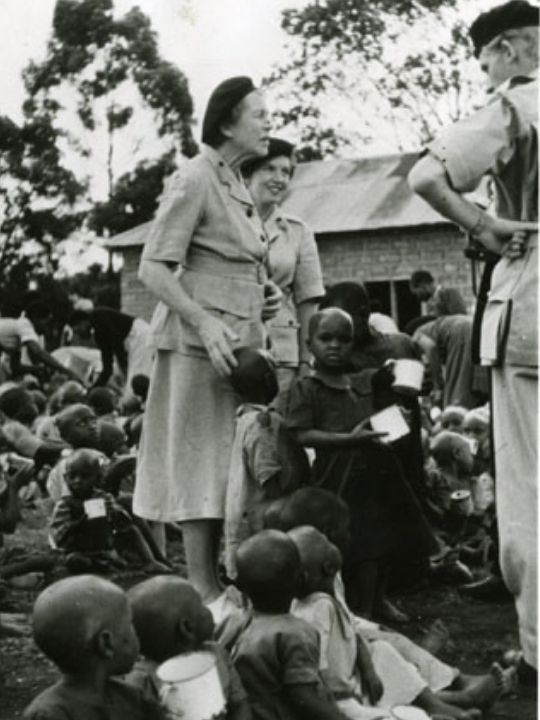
<point>386,520</point>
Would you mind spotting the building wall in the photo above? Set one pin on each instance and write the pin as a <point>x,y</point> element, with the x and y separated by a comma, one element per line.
<point>394,255</point>
<point>136,299</point>
<point>388,255</point>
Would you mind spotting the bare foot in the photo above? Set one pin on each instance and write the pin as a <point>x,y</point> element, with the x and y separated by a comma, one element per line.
<point>484,690</point>
<point>436,637</point>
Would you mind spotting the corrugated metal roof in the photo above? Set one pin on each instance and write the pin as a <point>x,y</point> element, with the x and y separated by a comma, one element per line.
<point>335,196</point>
<point>354,195</point>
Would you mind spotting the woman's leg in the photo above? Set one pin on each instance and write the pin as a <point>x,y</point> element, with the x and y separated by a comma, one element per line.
<point>200,549</point>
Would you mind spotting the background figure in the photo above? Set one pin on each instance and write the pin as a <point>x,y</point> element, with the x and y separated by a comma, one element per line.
<point>439,300</point>
<point>118,336</point>
<point>293,261</point>
<point>506,43</point>
<point>446,343</point>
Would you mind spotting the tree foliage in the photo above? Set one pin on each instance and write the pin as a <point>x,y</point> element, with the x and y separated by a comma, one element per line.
<point>103,77</point>
<point>37,204</point>
<point>358,71</point>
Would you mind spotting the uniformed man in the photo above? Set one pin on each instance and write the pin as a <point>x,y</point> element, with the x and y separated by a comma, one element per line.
<point>500,140</point>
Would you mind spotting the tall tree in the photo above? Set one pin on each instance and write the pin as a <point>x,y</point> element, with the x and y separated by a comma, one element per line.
<point>38,204</point>
<point>385,71</point>
<point>113,90</point>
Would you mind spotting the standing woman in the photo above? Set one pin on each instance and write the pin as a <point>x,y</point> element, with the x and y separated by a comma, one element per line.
<point>294,261</point>
<point>205,259</point>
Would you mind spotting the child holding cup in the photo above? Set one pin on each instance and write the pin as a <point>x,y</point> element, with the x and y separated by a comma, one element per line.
<point>330,411</point>
<point>88,525</point>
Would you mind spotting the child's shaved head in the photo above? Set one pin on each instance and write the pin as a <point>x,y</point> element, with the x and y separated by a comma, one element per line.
<point>320,559</point>
<point>83,620</point>
<point>254,378</point>
<point>453,417</point>
<point>331,313</point>
<point>319,508</point>
<point>77,425</point>
<point>169,617</point>
<point>268,568</point>
<point>450,447</point>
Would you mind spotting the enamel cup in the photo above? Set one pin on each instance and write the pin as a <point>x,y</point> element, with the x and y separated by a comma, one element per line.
<point>462,503</point>
<point>408,376</point>
<point>190,686</point>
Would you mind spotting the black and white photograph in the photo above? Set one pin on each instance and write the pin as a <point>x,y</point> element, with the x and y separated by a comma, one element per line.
<point>269,359</point>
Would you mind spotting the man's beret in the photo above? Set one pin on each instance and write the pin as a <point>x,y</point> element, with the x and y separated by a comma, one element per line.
<point>511,15</point>
<point>224,98</point>
<point>276,148</point>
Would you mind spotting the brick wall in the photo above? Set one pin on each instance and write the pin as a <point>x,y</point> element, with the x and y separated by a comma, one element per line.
<point>394,255</point>
<point>381,255</point>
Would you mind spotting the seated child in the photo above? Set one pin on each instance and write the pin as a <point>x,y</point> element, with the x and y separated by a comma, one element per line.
<point>69,393</point>
<point>91,536</point>
<point>102,402</point>
<point>329,411</point>
<point>454,466</point>
<point>343,661</point>
<point>476,429</point>
<point>452,418</point>
<point>77,427</point>
<point>83,625</point>
<point>265,461</point>
<point>416,668</point>
<point>19,412</point>
<point>170,620</point>
<point>277,655</point>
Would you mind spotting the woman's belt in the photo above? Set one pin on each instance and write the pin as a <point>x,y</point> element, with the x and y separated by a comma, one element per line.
<point>211,264</point>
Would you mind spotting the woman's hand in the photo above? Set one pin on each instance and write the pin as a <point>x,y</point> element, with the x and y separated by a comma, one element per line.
<point>496,232</point>
<point>216,335</point>
<point>272,300</point>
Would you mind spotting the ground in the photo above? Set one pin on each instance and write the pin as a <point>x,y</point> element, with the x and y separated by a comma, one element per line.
<point>479,634</point>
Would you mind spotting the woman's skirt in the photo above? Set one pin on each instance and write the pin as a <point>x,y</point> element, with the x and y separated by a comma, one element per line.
<point>186,441</point>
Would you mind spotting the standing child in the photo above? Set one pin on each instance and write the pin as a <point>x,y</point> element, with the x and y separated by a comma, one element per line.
<point>277,655</point>
<point>266,463</point>
<point>83,624</point>
<point>170,619</point>
<point>329,411</point>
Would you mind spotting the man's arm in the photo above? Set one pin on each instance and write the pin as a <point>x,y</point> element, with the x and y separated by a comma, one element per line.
<point>429,179</point>
<point>39,355</point>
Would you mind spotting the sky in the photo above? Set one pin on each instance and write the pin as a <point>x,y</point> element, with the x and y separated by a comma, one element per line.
<point>209,40</point>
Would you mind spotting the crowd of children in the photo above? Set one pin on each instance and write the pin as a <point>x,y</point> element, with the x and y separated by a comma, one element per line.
<point>323,514</point>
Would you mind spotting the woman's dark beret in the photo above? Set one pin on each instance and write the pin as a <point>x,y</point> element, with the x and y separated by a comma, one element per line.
<point>224,98</point>
<point>276,148</point>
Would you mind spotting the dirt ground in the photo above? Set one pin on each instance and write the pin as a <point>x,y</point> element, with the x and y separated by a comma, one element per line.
<point>479,634</point>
